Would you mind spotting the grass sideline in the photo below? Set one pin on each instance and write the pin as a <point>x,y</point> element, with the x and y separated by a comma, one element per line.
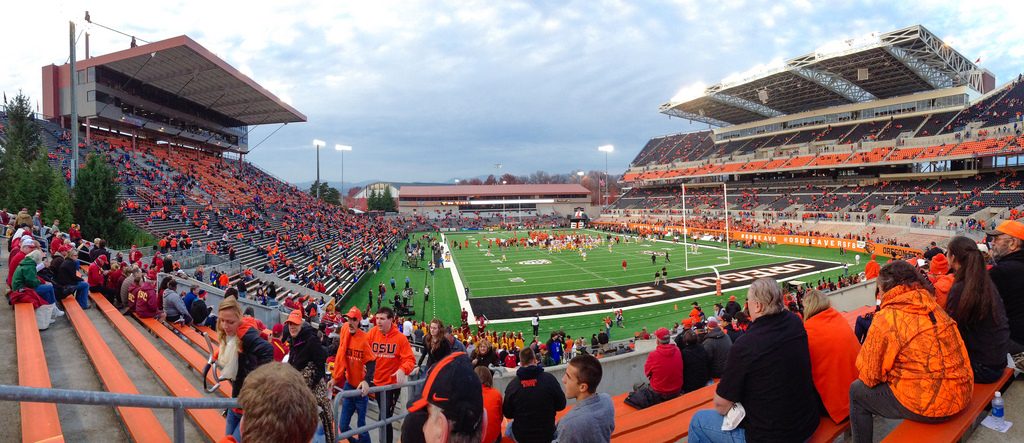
<point>444,302</point>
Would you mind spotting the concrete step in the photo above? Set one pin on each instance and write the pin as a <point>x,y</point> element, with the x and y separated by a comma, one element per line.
<point>143,377</point>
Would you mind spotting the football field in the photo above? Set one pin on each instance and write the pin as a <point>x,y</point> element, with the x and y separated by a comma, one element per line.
<point>532,280</point>
<point>531,270</point>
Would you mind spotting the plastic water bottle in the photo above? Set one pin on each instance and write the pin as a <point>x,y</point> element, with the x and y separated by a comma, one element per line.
<point>997,408</point>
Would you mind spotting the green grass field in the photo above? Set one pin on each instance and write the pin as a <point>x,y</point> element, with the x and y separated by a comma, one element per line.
<point>567,271</point>
<point>483,271</point>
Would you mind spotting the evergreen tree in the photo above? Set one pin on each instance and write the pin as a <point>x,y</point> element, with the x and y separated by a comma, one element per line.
<point>23,139</point>
<point>372,202</point>
<point>387,201</point>
<point>58,205</point>
<point>20,188</point>
<point>95,201</point>
<point>331,195</point>
<point>20,150</point>
<point>328,193</point>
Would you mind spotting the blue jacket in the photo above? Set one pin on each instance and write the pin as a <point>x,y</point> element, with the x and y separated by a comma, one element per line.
<point>591,420</point>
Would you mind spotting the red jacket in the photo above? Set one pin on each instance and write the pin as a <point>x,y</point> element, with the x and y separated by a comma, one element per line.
<point>12,263</point>
<point>664,368</point>
<point>114,280</point>
<point>95,276</point>
<point>147,303</point>
<point>280,349</point>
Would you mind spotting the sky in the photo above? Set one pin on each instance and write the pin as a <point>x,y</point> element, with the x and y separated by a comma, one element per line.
<point>434,90</point>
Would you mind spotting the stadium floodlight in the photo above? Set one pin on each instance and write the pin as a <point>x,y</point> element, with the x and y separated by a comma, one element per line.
<point>317,143</point>
<point>604,183</point>
<point>342,149</point>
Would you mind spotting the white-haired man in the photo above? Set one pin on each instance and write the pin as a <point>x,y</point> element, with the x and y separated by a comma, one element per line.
<point>769,373</point>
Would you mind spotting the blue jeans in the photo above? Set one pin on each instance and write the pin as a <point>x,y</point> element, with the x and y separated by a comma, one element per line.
<point>46,292</point>
<point>234,425</point>
<point>706,426</point>
<point>357,405</point>
<point>82,294</point>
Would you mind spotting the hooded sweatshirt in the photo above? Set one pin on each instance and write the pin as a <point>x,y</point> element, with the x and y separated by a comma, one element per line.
<point>833,349</point>
<point>910,327</point>
<point>531,400</point>
<point>664,369</point>
<point>145,300</point>
<point>24,276</point>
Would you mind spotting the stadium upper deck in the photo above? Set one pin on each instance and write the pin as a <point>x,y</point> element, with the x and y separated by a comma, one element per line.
<point>879,66</point>
<point>900,98</point>
<point>172,91</point>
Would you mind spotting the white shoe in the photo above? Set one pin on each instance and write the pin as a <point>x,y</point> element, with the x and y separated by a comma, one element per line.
<point>57,312</point>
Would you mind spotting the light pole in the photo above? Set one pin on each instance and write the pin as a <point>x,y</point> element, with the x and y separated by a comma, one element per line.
<point>503,203</point>
<point>606,149</point>
<point>342,149</point>
<point>317,143</point>
<point>497,168</point>
<point>579,176</point>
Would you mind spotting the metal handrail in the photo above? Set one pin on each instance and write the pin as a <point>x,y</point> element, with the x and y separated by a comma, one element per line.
<point>180,404</point>
<point>383,420</point>
<point>78,397</point>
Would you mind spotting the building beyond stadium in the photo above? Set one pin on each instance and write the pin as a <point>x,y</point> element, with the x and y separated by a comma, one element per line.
<point>491,200</point>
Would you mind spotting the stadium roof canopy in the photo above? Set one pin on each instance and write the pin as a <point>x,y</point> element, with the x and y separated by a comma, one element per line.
<point>490,190</point>
<point>184,68</point>
<point>892,64</point>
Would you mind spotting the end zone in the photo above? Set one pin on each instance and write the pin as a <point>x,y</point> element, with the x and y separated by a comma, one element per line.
<point>560,304</point>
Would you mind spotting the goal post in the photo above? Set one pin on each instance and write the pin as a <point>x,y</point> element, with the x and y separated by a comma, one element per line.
<point>686,233</point>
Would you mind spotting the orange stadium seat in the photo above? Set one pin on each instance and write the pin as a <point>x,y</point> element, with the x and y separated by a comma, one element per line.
<point>39,421</point>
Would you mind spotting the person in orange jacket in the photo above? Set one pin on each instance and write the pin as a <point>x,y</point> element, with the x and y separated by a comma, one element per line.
<point>394,361</point>
<point>913,363</point>
<point>871,268</point>
<point>354,368</point>
<point>833,349</point>
<point>942,280</point>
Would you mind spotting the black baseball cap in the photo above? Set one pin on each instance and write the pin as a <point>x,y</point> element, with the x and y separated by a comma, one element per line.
<point>454,387</point>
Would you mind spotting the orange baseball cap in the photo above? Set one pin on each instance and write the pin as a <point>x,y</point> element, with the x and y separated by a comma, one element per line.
<point>354,313</point>
<point>1013,228</point>
<point>295,317</point>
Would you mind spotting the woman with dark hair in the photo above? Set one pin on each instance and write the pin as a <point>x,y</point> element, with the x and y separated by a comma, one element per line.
<point>975,304</point>
<point>309,357</point>
<point>435,345</point>
<point>913,363</point>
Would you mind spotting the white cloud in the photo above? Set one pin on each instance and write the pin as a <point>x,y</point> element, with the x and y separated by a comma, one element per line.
<point>689,92</point>
<point>420,86</point>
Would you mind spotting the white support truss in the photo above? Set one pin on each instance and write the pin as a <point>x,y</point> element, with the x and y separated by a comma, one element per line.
<point>744,104</point>
<point>835,83</point>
